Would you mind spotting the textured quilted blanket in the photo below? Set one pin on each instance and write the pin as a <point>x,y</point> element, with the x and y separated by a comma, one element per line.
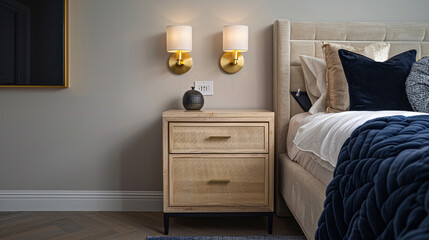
<point>380,188</point>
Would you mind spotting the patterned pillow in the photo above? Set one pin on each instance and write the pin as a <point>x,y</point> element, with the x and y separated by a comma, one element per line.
<point>417,85</point>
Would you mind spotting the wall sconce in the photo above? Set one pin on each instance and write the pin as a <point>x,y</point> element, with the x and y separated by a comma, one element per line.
<point>235,40</point>
<point>179,42</point>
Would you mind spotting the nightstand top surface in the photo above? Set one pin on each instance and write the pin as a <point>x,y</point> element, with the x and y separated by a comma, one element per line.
<point>218,113</point>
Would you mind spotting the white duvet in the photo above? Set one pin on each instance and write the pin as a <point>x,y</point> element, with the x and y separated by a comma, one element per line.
<point>325,133</point>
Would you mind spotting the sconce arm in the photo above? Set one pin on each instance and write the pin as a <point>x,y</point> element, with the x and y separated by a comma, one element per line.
<point>179,58</point>
<point>234,59</point>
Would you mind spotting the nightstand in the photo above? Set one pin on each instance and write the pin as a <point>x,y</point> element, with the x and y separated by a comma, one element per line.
<point>218,163</point>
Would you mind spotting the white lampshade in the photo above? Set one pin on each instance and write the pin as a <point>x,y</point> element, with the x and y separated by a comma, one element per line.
<point>235,37</point>
<point>179,37</point>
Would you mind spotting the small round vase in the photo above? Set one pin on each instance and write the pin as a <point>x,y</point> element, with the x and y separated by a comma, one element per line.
<point>193,100</point>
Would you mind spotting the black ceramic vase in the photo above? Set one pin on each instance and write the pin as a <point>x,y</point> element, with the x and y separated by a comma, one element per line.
<point>193,100</point>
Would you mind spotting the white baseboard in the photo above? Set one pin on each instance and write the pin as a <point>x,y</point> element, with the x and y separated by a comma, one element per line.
<point>57,200</point>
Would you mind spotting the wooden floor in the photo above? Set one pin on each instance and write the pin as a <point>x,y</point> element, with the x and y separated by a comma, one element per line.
<point>129,225</point>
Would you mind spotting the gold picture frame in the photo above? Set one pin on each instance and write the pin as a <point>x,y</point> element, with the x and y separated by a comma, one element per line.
<point>66,80</point>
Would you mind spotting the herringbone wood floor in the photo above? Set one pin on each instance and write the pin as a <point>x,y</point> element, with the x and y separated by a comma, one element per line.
<point>129,225</point>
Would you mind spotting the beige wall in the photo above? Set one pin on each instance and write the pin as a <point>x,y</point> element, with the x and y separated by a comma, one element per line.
<point>104,133</point>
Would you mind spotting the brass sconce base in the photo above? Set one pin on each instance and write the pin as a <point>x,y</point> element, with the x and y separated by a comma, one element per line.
<point>185,63</point>
<point>227,63</point>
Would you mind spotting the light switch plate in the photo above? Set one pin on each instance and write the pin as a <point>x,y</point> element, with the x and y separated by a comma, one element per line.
<point>205,87</point>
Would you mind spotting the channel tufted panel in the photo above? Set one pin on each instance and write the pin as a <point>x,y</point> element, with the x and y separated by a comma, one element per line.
<point>366,32</point>
<point>425,49</point>
<point>405,31</point>
<point>335,32</point>
<point>300,30</point>
<point>360,31</point>
<point>399,47</point>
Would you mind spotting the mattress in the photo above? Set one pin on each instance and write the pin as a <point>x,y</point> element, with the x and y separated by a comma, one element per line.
<point>309,161</point>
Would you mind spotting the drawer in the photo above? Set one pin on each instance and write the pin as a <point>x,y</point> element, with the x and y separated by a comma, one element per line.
<point>218,137</point>
<point>218,180</point>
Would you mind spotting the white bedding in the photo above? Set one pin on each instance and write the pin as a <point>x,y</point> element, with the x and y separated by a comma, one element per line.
<point>325,133</point>
<point>307,160</point>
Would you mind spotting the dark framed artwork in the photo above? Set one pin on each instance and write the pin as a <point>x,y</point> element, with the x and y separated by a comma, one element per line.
<point>34,43</point>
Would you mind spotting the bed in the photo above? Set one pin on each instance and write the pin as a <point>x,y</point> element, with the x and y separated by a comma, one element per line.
<point>301,179</point>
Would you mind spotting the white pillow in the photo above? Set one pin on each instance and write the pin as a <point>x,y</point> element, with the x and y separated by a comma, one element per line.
<point>314,70</point>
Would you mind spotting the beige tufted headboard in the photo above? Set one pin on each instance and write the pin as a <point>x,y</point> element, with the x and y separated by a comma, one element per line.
<point>292,39</point>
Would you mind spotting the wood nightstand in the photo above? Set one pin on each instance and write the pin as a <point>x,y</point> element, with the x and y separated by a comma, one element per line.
<point>218,163</point>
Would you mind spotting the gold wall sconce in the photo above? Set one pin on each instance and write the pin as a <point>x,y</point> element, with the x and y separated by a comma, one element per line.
<point>179,42</point>
<point>235,40</point>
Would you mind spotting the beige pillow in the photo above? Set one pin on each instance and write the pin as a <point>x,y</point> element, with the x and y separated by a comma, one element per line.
<point>338,91</point>
<point>314,70</point>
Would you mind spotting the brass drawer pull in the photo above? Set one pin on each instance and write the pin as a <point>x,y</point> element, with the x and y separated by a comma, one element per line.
<point>220,137</point>
<point>219,181</point>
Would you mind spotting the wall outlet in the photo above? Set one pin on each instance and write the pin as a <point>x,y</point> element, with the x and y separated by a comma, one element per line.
<point>205,87</point>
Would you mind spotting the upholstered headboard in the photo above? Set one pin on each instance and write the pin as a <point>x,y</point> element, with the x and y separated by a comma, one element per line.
<point>292,39</point>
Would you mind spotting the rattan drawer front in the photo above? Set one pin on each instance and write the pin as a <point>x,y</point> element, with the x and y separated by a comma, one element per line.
<point>218,138</point>
<point>218,180</point>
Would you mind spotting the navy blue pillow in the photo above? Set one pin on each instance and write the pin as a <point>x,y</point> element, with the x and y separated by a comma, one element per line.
<point>377,85</point>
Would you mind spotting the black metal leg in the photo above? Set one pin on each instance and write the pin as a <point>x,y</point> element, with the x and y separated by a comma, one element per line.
<point>166,223</point>
<point>270,223</point>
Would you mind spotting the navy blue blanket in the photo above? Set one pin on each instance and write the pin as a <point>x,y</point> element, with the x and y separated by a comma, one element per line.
<point>380,188</point>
